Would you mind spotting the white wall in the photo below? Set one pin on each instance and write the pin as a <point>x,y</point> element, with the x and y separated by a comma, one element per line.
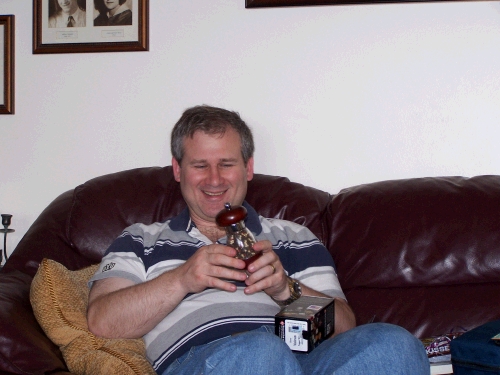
<point>336,95</point>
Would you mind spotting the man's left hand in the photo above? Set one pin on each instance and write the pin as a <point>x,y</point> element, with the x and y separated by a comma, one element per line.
<point>267,274</point>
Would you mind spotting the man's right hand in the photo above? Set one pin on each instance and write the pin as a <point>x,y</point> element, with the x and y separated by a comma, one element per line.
<point>211,267</point>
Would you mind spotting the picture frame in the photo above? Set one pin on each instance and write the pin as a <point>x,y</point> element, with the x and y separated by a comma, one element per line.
<point>92,29</point>
<point>7,24</point>
<point>285,3</point>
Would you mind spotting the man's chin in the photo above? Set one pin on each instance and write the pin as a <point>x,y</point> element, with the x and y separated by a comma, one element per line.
<point>213,212</point>
<point>209,212</point>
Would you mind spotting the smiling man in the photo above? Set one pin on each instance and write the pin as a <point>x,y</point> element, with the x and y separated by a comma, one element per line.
<point>179,286</point>
<point>212,171</point>
<point>68,14</point>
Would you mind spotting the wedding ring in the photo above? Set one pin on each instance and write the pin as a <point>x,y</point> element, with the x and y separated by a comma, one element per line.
<point>274,269</point>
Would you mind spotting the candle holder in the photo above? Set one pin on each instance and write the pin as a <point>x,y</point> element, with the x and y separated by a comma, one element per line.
<point>6,219</point>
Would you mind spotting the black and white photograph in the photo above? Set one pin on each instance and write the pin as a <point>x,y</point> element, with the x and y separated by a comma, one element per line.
<point>71,26</point>
<point>67,13</point>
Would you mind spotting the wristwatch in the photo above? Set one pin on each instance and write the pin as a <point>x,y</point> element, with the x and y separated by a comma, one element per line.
<point>295,292</point>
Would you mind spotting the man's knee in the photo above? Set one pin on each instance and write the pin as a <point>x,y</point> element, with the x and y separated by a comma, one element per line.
<point>390,341</point>
<point>391,335</point>
<point>377,348</point>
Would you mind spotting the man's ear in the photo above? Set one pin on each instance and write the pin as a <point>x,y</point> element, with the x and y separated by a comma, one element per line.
<point>250,169</point>
<point>177,169</point>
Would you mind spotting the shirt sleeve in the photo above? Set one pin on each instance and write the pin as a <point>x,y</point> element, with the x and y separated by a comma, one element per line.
<point>304,257</point>
<point>122,259</point>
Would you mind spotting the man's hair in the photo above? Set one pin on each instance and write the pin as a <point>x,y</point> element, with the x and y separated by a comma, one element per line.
<point>213,121</point>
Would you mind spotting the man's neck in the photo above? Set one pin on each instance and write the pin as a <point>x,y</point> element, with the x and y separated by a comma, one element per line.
<point>213,233</point>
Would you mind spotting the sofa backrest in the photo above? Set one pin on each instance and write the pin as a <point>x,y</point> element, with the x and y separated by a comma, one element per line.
<point>423,253</point>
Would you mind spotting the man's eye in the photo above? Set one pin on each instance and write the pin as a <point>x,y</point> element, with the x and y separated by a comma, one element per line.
<point>199,166</point>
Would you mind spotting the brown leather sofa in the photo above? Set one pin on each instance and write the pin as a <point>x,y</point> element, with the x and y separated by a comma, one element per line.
<point>421,253</point>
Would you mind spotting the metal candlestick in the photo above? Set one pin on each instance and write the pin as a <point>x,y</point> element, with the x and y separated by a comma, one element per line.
<point>6,219</point>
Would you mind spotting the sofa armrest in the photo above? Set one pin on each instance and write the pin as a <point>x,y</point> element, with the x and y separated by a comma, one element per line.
<point>24,347</point>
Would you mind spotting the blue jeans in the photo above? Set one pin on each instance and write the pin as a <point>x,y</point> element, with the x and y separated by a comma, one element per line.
<point>376,348</point>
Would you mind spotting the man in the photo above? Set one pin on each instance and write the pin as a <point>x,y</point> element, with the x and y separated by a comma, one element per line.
<point>68,14</point>
<point>177,285</point>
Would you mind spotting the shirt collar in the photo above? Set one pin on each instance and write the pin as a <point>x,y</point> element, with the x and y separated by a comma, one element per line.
<point>183,220</point>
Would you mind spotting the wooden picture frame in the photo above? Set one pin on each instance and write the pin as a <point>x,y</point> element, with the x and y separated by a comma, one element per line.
<point>7,24</point>
<point>91,32</point>
<point>285,3</point>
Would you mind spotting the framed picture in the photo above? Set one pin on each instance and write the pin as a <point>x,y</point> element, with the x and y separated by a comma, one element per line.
<point>283,3</point>
<point>70,26</point>
<point>7,64</point>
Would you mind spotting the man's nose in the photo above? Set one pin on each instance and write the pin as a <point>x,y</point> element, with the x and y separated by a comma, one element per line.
<point>214,176</point>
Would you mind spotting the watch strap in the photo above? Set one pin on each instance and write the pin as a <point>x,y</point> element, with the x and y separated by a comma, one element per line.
<point>295,292</point>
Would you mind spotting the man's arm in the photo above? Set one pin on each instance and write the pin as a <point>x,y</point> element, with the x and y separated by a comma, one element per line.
<point>118,308</point>
<point>344,316</point>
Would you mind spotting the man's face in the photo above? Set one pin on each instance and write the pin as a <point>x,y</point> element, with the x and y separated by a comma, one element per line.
<point>111,4</point>
<point>68,6</point>
<point>212,173</point>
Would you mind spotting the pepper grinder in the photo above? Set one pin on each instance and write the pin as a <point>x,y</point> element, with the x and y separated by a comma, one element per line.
<point>239,237</point>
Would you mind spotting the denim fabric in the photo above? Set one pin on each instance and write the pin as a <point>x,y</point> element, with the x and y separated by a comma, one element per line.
<point>376,348</point>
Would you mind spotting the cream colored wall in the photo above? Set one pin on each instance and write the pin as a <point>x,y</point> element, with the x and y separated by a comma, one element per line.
<point>336,95</point>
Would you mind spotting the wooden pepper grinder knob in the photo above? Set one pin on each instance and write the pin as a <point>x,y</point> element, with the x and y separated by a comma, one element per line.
<point>230,215</point>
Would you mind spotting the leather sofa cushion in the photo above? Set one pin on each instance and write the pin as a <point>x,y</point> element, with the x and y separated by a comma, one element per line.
<point>417,232</point>
<point>422,253</point>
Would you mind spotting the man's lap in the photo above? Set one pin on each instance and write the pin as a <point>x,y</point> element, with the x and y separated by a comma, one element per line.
<point>373,348</point>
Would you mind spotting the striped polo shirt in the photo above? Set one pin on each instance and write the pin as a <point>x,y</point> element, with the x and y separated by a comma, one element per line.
<point>142,252</point>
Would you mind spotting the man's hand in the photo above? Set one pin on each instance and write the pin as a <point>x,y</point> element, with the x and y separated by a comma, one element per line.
<point>266,273</point>
<point>210,267</point>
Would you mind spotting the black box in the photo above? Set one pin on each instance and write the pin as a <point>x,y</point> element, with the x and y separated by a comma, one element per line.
<point>305,323</point>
